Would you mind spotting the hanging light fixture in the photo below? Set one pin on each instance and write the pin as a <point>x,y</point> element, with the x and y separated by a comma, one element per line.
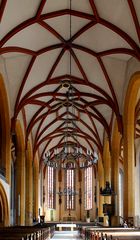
<point>72,155</point>
<point>67,192</point>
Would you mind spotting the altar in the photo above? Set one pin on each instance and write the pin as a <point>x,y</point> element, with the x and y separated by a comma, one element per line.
<point>66,225</point>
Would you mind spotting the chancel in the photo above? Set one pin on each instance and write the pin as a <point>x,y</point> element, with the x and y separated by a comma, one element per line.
<point>69,119</point>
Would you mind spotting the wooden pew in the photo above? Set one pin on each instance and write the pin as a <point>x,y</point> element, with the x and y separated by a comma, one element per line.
<point>26,233</point>
<point>94,233</point>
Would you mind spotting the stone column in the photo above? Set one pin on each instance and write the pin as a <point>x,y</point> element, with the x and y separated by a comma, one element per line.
<point>35,189</point>
<point>20,188</point>
<point>129,163</point>
<point>107,166</point>
<point>115,152</point>
<point>100,184</point>
<point>107,173</point>
<point>131,100</point>
<point>29,186</point>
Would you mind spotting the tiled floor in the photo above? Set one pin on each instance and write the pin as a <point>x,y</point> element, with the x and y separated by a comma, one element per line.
<point>66,235</point>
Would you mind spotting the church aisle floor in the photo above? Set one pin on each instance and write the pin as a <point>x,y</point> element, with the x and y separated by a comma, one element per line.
<point>66,235</point>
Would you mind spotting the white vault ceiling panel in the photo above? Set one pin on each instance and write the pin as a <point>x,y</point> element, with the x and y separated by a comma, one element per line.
<point>64,67</point>
<point>63,22</point>
<point>27,38</point>
<point>15,77</point>
<point>30,111</point>
<point>93,70</point>
<point>87,48</point>
<point>116,70</point>
<point>16,12</point>
<point>121,15</point>
<point>94,38</point>
<point>40,69</point>
<point>53,5</point>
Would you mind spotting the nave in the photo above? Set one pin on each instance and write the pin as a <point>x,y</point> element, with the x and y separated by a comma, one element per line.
<point>69,115</point>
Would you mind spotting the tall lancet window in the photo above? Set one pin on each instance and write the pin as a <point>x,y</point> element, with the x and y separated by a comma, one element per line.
<point>88,188</point>
<point>121,192</point>
<point>51,187</point>
<point>70,188</point>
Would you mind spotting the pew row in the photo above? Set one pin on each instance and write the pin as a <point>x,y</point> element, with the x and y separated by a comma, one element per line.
<point>26,233</point>
<point>94,233</point>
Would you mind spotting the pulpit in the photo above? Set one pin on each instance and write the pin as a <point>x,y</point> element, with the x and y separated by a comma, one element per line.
<point>108,210</point>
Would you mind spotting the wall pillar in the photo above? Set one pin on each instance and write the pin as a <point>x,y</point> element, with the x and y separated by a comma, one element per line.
<point>35,189</point>
<point>20,188</point>
<point>100,184</point>
<point>107,166</point>
<point>129,155</point>
<point>29,186</point>
<point>20,176</point>
<point>4,211</point>
<point>129,163</point>
<point>115,152</point>
<point>107,173</point>
<point>6,126</point>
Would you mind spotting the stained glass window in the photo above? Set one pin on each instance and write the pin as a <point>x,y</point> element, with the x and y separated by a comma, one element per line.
<point>51,187</point>
<point>121,192</point>
<point>88,188</point>
<point>70,198</point>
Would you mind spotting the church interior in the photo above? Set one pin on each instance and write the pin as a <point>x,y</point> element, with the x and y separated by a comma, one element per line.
<point>69,119</point>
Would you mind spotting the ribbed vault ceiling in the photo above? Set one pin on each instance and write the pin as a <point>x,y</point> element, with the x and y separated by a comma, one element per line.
<point>38,49</point>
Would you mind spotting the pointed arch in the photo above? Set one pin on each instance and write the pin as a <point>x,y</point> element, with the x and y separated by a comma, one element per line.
<point>35,187</point>
<point>129,154</point>
<point>29,185</point>
<point>20,174</point>
<point>5,148</point>
<point>115,154</point>
<point>5,218</point>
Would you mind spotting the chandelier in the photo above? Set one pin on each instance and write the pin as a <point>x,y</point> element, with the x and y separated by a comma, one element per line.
<point>67,192</point>
<point>72,155</point>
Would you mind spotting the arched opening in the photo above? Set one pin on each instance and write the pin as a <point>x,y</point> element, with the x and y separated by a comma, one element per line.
<point>2,163</point>
<point>13,181</point>
<point>137,161</point>
<point>116,164</point>
<point>121,192</point>
<point>35,189</point>
<point>129,146</point>
<point>12,194</point>
<point>121,181</point>
<point>4,133</point>
<point>1,213</point>
<point>4,208</point>
<point>20,175</point>
<point>29,185</point>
